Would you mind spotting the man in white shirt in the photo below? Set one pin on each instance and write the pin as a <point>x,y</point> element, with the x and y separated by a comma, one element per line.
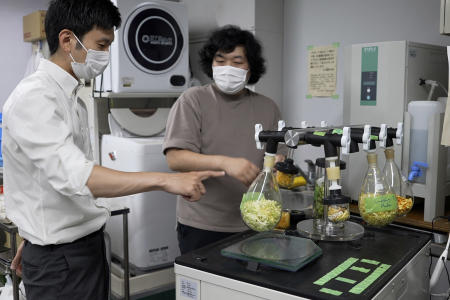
<point>51,181</point>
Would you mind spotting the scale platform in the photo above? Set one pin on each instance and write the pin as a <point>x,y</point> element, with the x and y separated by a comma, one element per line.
<point>275,250</point>
<point>350,231</point>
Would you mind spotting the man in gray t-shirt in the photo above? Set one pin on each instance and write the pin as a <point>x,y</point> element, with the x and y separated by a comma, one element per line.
<point>212,128</point>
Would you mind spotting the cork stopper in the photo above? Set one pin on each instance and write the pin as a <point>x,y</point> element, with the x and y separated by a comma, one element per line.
<point>389,153</point>
<point>372,158</point>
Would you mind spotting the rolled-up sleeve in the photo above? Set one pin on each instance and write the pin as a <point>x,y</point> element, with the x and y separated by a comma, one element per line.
<point>38,127</point>
<point>183,129</point>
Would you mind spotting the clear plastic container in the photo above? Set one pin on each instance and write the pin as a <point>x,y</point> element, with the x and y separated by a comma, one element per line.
<point>286,173</point>
<point>261,206</point>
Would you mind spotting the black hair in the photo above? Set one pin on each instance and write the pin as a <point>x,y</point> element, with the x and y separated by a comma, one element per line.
<point>79,16</point>
<point>226,39</point>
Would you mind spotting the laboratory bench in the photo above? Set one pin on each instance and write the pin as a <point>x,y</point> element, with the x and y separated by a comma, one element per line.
<point>386,263</point>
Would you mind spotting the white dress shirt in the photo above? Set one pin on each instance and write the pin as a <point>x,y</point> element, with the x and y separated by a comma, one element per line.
<point>48,159</point>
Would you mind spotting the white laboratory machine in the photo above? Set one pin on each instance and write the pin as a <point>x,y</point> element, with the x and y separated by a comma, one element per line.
<point>380,80</point>
<point>150,53</point>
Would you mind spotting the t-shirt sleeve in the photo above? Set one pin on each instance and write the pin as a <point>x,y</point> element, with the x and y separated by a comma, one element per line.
<point>184,125</point>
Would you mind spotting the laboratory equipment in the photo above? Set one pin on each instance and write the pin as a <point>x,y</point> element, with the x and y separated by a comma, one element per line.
<point>380,80</point>
<point>150,53</point>
<point>386,264</point>
<point>261,206</point>
<point>377,201</point>
<point>152,236</point>
<point>333,226</point>
<point>286,173</point>
<point>399,184</point>
<point>421,112</point>
<point>279,251</point>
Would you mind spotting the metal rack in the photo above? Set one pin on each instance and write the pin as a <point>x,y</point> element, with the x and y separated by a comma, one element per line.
<point>6,257</point>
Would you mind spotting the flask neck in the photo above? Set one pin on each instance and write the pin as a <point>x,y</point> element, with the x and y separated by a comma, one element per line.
<point>269,161</point>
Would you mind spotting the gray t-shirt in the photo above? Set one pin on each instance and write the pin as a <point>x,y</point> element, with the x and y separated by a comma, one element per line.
<point>205,120</point>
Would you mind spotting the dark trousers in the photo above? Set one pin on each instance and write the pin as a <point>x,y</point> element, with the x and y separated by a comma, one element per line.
<point>190,238</point>
<point>77,270</point>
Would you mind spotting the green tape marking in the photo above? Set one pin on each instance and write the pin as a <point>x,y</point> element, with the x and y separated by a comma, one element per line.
<point>336,45</point>
<point>310,47</point>
<point>337,131</point>
<point>319,133</point>
<point>362,270</point>
<point>374,138</point>
<point>351,281</point>
<point>308,96</point>
<point>330,291</point>
<point>336,271</point>
<point>368,261</point>
<point>360,287</point>
<point>335,96</point>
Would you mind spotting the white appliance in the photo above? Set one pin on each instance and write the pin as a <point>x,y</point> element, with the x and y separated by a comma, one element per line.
<point>152,220</point>
<point>380,80</point>
<point>150,50</point>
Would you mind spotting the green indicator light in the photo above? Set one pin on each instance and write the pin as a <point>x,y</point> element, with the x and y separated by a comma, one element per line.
<point>346,280</point>
<point>360,287</point>
<point>330,291</point>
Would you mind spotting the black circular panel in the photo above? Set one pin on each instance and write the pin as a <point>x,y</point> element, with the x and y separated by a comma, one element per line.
<point>153,40</point>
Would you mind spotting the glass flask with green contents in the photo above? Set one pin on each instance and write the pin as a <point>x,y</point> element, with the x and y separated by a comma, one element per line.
<point>398,183</point>
<point>377,201</point>
<point>261,206</point>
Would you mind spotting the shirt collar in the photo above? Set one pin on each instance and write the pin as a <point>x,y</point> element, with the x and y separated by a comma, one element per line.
<point>66,81</point>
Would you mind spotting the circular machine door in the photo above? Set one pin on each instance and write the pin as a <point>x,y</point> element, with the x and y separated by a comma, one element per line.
<point>152,39</point>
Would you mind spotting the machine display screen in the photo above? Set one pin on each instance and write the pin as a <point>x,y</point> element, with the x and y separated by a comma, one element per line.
<point>369,72</point>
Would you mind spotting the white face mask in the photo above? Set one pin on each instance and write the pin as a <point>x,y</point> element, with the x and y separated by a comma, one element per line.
<point>230,80</point>
<point>95,63</point>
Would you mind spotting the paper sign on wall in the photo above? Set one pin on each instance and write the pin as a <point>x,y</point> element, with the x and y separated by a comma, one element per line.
<point>322,71</point>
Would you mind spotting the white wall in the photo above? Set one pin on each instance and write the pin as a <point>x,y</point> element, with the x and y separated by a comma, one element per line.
<point>322,22</point>
<point>14,52</point>
<point>262,17</point>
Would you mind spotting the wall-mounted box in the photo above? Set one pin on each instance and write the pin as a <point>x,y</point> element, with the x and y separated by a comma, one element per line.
<point>34,26</point>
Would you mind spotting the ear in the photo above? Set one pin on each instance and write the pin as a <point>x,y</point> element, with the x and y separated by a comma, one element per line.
<point>65,40</point>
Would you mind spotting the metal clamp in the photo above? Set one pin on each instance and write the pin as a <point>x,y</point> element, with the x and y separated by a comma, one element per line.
<point>323,124</point>
<point>382,136</point>
<point>258,129</point>
<point>399,133</point>
<point>366,137</point>
<point>304,124</point>
<point>281,125</point>
<point>345,140</point>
